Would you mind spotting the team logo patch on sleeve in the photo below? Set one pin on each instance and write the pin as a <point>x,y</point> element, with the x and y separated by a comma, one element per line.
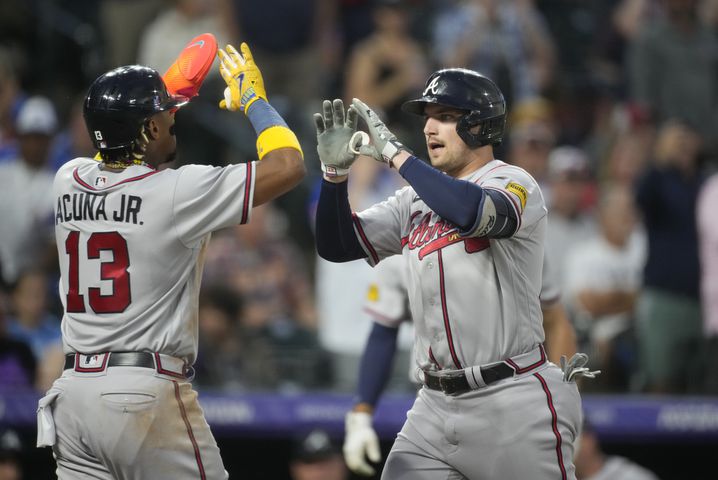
<point>372,293</point>
<point>519,191</point>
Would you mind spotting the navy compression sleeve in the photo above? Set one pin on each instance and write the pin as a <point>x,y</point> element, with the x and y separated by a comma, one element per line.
<point>457,201</point>
<point>376,363</point>
<point>335,237</point>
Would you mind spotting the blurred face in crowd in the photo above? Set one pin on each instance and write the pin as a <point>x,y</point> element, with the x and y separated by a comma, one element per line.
<point>331,468</point>
<point>617,215</point>
<point>530,147</point>
<point>678,146</point>
<point>447,151</point>
<point>34,148</point>
<point>214,324</point>
<point>29,297</point>
<point>567,190</point>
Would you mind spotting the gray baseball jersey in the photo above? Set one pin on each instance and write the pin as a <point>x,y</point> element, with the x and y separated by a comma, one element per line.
<point>474,300</point>
<point>131,245</point>
<point>387,301</point>
<point>121,293</point>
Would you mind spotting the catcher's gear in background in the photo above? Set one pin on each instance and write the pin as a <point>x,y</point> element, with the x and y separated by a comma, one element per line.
<point>244,80</point>
<point>384,145</point>
<point>336,138</point>
<point>119,102</point>
<point>466,90</point>
<point>186,75</point>
<point>360,442</point>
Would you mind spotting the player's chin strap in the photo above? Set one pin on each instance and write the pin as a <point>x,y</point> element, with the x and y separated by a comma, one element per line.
<point>575,367</point>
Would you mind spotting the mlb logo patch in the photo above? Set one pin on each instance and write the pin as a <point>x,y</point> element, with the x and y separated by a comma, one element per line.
<point>91,360</point>
<point>92,363</point>
<point>100,181</point>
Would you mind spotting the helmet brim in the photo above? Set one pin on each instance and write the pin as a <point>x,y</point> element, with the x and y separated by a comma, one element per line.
<point>415,107</point>
<point>175,101</point>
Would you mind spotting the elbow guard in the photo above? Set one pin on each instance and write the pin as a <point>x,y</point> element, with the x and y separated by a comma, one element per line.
<point>499,217</point>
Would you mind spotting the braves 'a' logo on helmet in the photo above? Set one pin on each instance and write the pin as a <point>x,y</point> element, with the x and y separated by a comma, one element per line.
<point>432,87</point>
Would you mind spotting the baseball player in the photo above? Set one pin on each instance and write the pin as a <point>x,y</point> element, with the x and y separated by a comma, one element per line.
<point>387,303</point>
<point>471,231</point>
<point>131,238</point>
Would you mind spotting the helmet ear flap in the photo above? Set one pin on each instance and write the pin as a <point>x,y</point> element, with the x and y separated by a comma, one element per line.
<point>490,129</point>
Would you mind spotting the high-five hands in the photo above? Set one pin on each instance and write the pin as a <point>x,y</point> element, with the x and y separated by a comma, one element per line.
<point>336,139</point>
<point>384,145</point>
<point>244,80</point>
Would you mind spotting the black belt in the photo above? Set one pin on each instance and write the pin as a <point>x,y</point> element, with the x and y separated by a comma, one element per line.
<point>456,383</point>
<point>120,359</point>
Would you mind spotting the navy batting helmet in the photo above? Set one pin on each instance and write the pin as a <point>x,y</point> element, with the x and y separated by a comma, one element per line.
<point>470,91</point>
<point>119,102</point>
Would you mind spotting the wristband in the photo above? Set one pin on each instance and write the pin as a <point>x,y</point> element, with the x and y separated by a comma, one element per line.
<point>390,150</point>
<point>276,137</point>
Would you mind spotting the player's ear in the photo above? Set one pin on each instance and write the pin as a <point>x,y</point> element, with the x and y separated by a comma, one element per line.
<point>153,128</point>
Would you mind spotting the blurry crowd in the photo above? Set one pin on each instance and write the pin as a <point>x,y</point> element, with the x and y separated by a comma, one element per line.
<point>613,109</point>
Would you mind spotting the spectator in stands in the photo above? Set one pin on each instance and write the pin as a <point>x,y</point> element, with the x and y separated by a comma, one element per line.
<point>671,73</point>
<point>708,249</point>
<point>604,277</point>
<point>297,52</point>
<point>26,202</point>
<point>31,322</point>
<point>532,136</point>
<point>506,40</point>
<point>121,24</point>
<point>11,98</point>
<point>18,367</point>
<point>387,68</point>
<point>229,358</point>
<point>316,457</point>
<point>265,269</point>
<point>569,224</point>
<point>628,156</point>
<point>10,450</point>
<point>592,463</point>
<point>668,316</point>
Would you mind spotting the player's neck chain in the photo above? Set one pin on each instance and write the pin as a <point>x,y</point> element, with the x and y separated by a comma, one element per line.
<point>122,165</point>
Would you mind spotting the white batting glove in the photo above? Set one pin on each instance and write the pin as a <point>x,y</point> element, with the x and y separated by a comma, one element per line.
<point>360,443</point>
<point>576,367</point>
<point>384,144</point>
<point>336,137</point>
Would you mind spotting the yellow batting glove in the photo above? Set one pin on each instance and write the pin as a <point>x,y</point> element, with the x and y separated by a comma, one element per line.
<point>244,80</point>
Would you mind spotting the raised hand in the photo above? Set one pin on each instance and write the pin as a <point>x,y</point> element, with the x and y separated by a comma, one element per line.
<point>384,144</point>
<point>243,78</point>
<point>336,139</point>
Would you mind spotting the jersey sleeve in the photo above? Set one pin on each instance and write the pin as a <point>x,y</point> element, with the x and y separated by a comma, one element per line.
<point>511,193</point>
<point>209,198</point>
<point>550,289</point>
<point>379,227</point>
<point>387,299</point>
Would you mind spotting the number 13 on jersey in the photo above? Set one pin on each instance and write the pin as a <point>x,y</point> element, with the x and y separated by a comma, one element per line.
<point>114,271</point>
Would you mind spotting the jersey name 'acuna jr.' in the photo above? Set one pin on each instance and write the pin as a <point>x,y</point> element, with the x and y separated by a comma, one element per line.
<point>91,206</point>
